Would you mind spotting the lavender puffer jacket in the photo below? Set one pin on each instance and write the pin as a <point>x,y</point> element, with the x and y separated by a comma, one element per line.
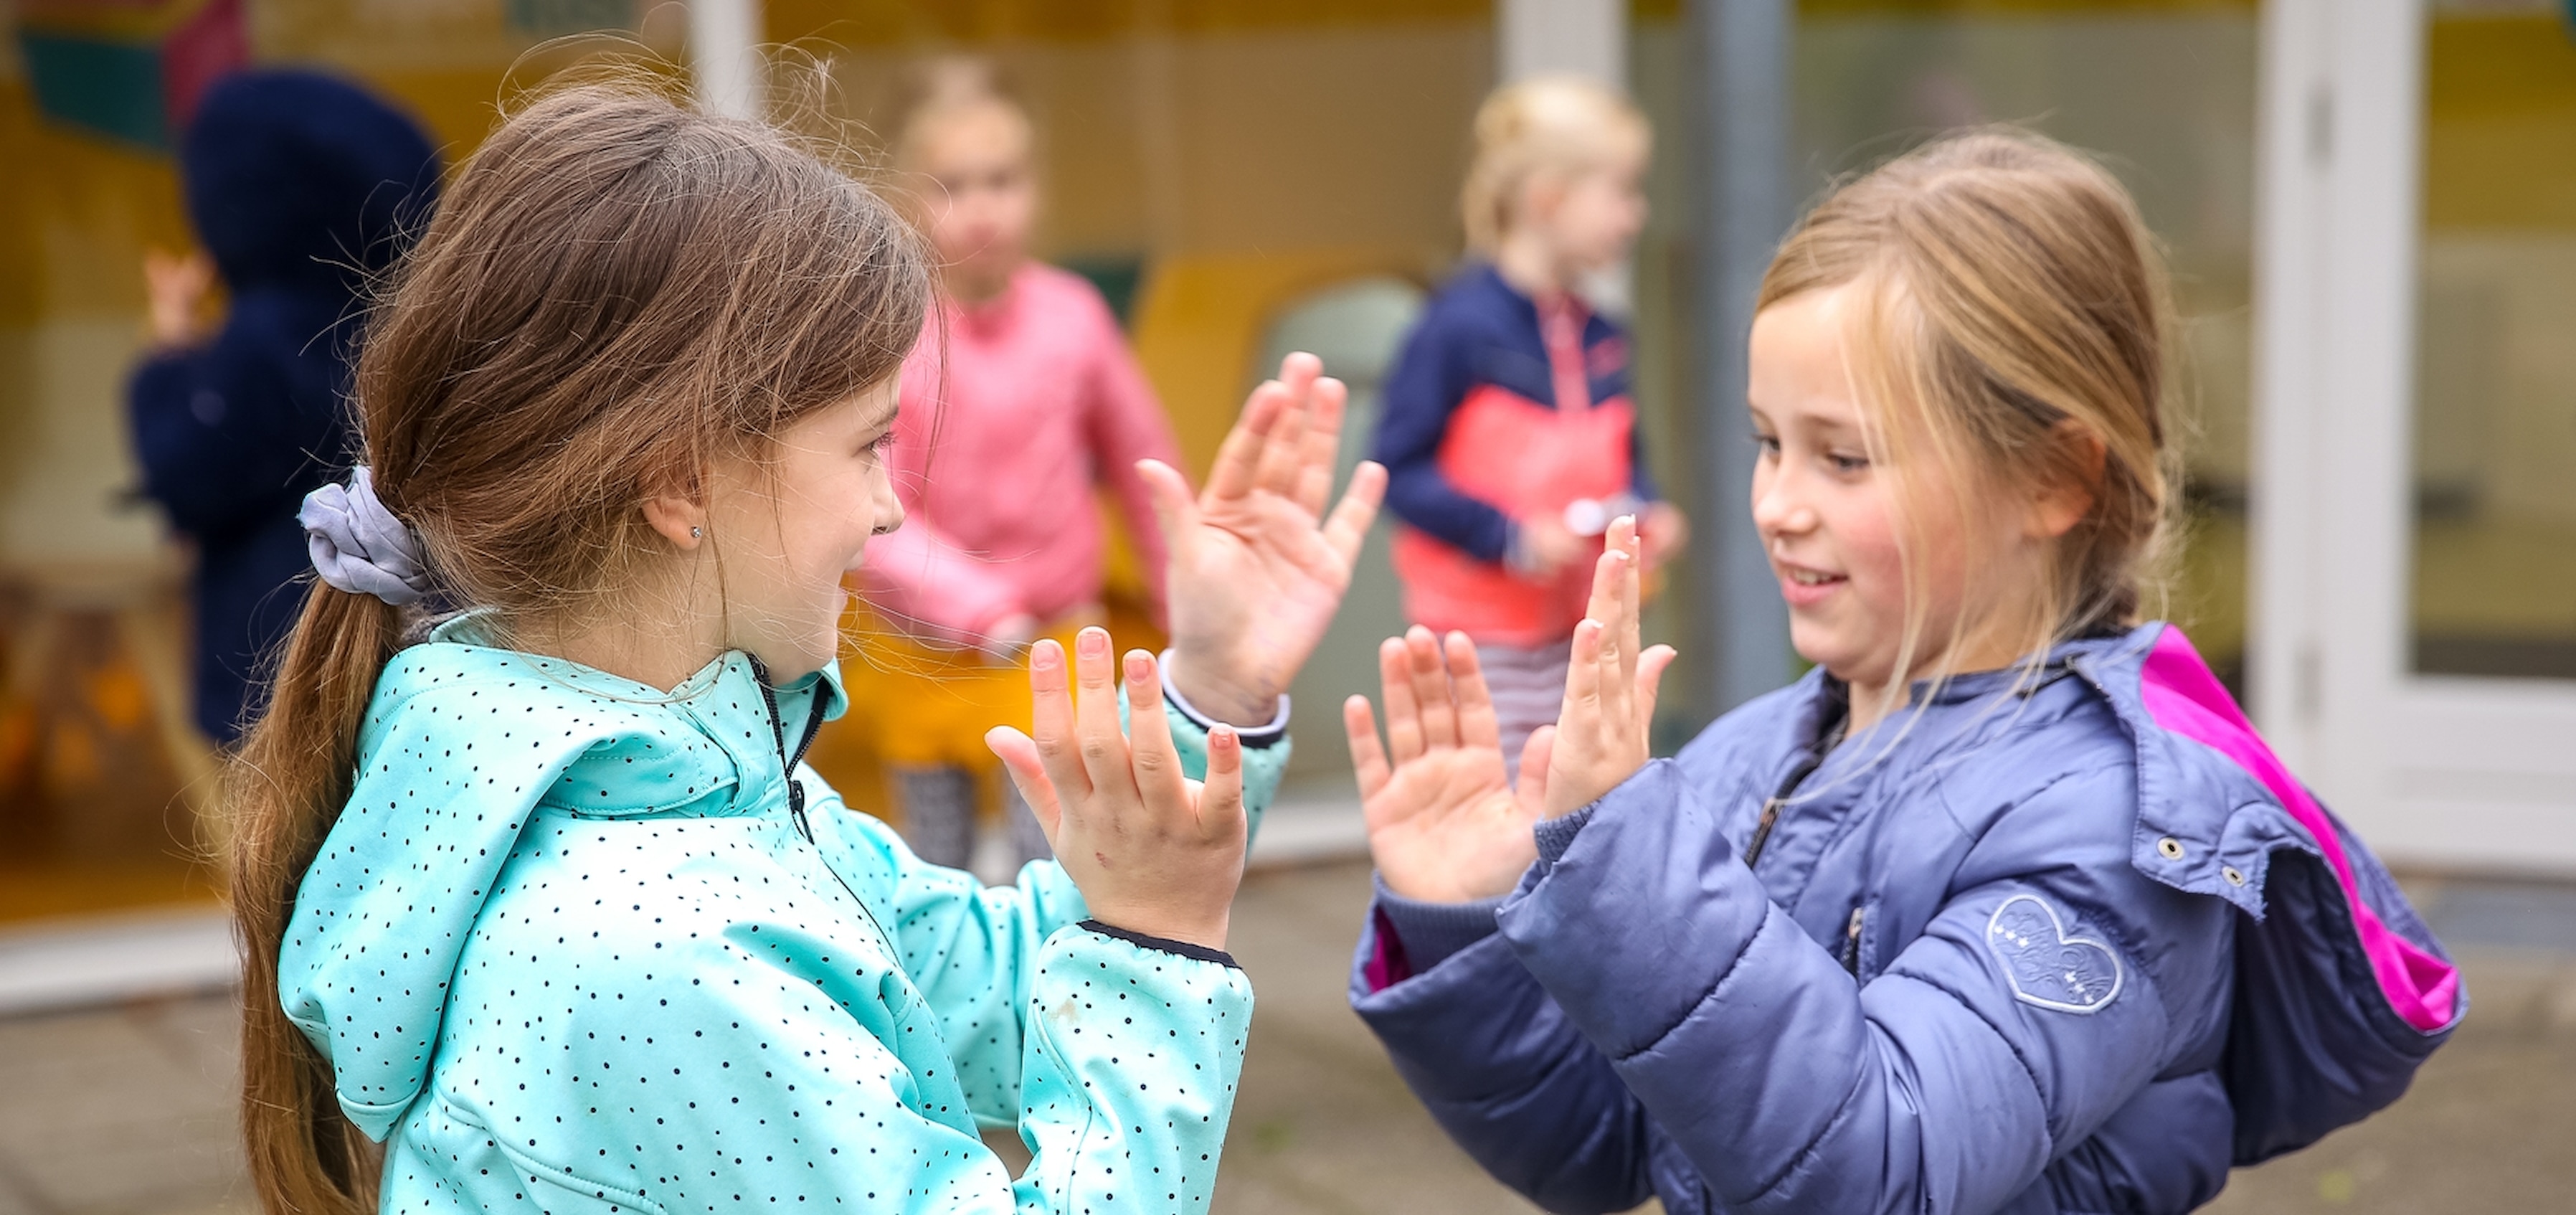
<point>2076,945</point>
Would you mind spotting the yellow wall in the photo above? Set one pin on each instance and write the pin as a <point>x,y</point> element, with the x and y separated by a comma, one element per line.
<point>2500,123</point>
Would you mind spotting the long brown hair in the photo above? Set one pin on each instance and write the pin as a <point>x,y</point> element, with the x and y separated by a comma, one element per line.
<point>2015,332</point>
<point>616,289</point>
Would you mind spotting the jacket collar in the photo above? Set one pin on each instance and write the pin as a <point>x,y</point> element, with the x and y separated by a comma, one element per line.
<point>735,760</point>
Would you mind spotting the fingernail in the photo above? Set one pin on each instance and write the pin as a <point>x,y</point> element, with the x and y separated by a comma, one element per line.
<point>1139,664</point>
<point>1093,642</point>
<point>1043,655</point>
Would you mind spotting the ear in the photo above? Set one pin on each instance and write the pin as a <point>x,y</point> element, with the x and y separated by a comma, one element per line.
<point>1541,193</point>
<point>680,520</point>
<point>2058,504</point>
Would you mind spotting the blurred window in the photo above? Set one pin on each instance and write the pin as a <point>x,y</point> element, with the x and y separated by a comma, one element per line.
<point>2163,92</point>
<point>2494,579</point>
<point>1356,327</point>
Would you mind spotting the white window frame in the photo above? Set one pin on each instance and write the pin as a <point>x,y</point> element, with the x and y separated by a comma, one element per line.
<point>2434,771</point>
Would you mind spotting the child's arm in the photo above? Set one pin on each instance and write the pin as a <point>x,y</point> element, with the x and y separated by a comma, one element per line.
<point>779,1068</point>
<point>926,582</point>
<point>929,585</point>
<point>2025,1015</point>
<point>971,949</point>
<point>1425,387</point>
<point>1503,1070</point>
<point>1125,423</point>
<point>220,431</point>
<point>1490,1055</point>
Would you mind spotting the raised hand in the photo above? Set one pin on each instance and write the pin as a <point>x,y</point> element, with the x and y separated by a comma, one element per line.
<point>1152,851</point>
<point>1444,826</point>
<point>1603,731</point>
<point>175,289</point>
<point>1257,566</point>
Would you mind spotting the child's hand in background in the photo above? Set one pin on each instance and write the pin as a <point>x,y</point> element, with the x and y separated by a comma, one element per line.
<point>1443,825</point>
<point>175,286</point>
<point>1257,567</point>
<point>1542,545</point>
<point>1152,851</point>
<point>1603,732</point>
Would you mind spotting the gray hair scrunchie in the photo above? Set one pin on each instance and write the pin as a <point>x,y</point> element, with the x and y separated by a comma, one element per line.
<point>359,546</point>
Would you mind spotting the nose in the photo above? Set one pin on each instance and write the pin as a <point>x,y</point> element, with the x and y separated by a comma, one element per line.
<point>889,510</point>
<point>1780,507</point>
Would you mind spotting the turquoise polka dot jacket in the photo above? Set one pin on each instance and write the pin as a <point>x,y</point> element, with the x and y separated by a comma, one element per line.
<point>578,944</point>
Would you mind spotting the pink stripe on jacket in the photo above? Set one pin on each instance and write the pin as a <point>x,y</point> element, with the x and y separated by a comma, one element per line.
<point>998,451</point>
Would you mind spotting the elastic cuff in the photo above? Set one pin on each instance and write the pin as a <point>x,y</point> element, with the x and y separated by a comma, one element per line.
<point>1431,932</point>
<point>1255,737</point>
<point>1161,945</point>
<point>1555,835</point>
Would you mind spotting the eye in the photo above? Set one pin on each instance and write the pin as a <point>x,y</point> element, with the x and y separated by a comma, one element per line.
<point>881,444</point>
<point>1847,464</point>
<point>1768,444</point>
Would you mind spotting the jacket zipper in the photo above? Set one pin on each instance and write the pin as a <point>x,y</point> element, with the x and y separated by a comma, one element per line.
<point>796,792</point>
<point>1771,806</point>
<point>1851,939</point>
<point>788,758</point>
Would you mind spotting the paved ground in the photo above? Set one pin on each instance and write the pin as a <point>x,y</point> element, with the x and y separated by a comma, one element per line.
<point>129,1110</point>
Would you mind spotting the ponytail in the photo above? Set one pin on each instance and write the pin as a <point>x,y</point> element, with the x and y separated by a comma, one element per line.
<point>286,788</point>
<point>611,282</point>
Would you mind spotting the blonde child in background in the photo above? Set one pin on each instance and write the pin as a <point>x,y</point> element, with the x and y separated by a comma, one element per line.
<point>1023,376</point>
<point>1508,432</point>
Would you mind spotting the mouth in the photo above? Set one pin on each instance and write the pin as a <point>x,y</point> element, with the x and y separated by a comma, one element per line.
<point>1803,586</point>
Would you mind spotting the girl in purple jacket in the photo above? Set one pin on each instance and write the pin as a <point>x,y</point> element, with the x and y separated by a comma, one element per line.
<point>2004,907</point>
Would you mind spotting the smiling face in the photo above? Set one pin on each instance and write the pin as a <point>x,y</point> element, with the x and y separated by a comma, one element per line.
<point>1835,519</point>
<point>786,532</point>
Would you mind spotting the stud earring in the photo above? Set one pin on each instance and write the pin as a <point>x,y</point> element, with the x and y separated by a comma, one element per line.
<point>697,533</point>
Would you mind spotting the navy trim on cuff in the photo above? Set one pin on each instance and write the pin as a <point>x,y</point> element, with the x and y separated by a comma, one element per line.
<point>1255,738</point>
<point>1162,945</point>
<point>1555,835</point>
<point>1432,932</point>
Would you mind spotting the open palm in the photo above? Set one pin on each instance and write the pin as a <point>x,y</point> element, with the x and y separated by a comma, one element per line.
<point>1257,566</point>
<point>1445,824</point>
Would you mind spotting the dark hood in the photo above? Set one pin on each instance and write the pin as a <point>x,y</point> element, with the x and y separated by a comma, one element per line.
<point>300,180</point>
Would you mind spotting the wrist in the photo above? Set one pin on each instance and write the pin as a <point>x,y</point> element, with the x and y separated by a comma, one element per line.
<point>1197,932</point>
<point>1246,704</point>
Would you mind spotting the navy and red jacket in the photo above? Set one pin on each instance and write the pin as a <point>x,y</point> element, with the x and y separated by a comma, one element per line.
<point>1474,437</point>
<point>303,188</point>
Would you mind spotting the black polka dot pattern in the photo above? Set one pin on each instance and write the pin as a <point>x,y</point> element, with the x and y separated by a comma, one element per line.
<point>567,949</point>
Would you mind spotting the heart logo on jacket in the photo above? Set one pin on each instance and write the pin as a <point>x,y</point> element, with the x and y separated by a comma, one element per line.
<point>2047,967</point>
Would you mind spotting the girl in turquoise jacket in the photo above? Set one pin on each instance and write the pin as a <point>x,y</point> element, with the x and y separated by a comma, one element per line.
<point>541,909</point>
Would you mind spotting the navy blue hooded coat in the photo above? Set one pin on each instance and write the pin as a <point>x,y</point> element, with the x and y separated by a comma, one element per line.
<point>301,186</point>
<point>2071,944</point>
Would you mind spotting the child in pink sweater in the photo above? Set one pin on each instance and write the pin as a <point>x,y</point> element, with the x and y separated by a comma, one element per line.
<point>1022,377</point>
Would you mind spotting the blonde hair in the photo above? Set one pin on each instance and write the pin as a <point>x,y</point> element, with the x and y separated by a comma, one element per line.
<point>937,87</point>
<point>1549,124</point>
<point>2014,326</point>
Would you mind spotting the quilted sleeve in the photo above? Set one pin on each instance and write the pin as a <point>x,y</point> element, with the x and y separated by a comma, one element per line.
<point>2017,1023</point>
